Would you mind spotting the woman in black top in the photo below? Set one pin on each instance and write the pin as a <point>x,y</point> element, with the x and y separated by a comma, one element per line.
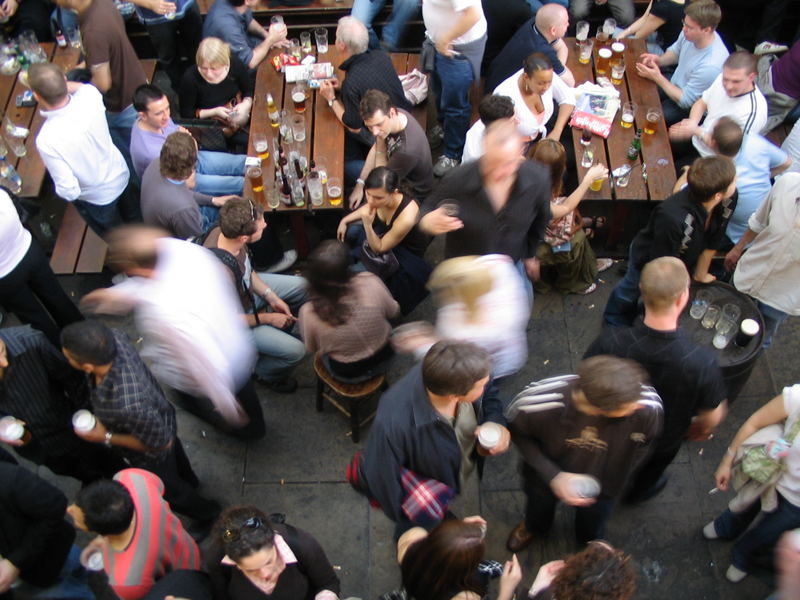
<point>253,558</point>
<point>389,218</point>
<point>218,88</point>
<point>662,17</point>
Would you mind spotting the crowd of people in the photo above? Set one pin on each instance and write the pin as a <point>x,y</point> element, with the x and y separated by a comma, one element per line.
<point>205,279</point>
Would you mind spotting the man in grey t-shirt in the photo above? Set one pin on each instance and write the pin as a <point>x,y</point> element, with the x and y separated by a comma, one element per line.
<point>400,144</point>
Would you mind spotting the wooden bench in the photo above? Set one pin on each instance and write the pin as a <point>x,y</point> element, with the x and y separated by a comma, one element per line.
<point>78,249</point>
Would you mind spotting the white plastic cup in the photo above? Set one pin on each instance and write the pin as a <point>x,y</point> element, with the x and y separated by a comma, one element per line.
<point>11,429</point>
<point>83,421</point>
<point>489,435</point>
<point>585,486</point>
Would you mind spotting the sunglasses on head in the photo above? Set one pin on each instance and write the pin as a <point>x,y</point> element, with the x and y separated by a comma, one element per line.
<point>234,533</point>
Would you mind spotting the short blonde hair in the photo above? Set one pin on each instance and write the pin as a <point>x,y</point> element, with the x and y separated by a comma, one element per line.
<point>462,279</point>
<point>662,282</point>
<point>214,53</point>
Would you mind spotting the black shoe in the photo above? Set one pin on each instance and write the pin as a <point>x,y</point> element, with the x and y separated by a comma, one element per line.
<point>280,386</point>
<point>653,490</point>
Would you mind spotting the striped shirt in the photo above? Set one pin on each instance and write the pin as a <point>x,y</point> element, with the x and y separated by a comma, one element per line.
<point>159,544</point>
<point>554,436</point>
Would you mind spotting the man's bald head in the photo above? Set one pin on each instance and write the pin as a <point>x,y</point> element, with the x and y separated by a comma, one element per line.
<point>47,81</point>
<point>552,21</point>
<point>502,150</point>
<point>662,283</point>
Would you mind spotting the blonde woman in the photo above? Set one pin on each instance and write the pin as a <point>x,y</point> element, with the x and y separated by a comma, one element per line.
<point>218,88</point>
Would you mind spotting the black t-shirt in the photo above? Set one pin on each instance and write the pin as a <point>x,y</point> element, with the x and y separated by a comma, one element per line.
<point>672,15</point>
<point>503,18</point>
<point>685,375</point>
<point>197,93</point>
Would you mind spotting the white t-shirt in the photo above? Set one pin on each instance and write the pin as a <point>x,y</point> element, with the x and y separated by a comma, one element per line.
<point>529,125</point>
<point>791,145</point>
<point>439,17</point>
<point>14,238</point>
<point>473,143</point>
<point>789,484</point>
<point>748,110</point>
<point>77,150</point>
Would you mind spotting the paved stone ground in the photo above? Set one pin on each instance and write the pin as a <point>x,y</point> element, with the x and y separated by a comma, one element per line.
<point>298,469</point>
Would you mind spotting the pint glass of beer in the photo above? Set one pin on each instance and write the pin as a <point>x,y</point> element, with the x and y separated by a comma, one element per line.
<point>653,116</point>
<point>603,58</point>
<point>299,98</point>
<point>628,114</point>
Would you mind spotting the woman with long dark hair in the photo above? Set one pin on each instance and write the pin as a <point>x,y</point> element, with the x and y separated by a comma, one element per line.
<point>253,558</point>
<point>347,314</point>
<point>390,244</point>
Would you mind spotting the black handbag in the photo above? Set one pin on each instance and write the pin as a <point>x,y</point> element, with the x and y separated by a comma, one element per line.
<point>383,265</point>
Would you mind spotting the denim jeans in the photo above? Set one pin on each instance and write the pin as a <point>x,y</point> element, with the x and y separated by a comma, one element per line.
<point>219,173</point>
<point>279,351</point>
<point>623,304</point>
<point>402,12</point>
<point>452,79</point>
<point>210,216</point>
<point>772,320</point>
<point>760,539</point>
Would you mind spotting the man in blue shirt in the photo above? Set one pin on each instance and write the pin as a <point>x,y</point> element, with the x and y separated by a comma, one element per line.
<point>698,52</point>
<point>757,160</point>
<point>232,21</point>
<point>543,33</point>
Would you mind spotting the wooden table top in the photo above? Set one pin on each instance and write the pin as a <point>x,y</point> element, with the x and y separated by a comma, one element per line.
<point>30,167</point>
<point>656,152</point>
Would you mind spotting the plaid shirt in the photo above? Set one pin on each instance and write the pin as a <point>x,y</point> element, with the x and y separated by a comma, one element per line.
<point>130,401</point>
<point>427,500</point>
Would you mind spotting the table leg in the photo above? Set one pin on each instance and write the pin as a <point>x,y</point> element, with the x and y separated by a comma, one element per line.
<point>300,235</point>
<point>621,211</point>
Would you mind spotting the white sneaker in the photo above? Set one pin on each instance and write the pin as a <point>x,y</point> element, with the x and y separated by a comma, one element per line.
<point>444,164</point>
<point>734,574</point>
<point>710,532</point>
<point>769,48</point>
<point>289,258</point>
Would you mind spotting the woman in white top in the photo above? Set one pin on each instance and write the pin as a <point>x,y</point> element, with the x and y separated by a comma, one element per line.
<point>28,286</point>
<point>784,409</point>
<point>534,88</point>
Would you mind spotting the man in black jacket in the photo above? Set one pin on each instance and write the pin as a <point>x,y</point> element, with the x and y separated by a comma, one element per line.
<point>428,423</point>
<point>689,225</point>
<point>35,540</point>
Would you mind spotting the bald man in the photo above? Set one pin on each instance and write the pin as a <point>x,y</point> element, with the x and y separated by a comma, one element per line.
<point>503,204</point>
<point>543,33</point>
<point>684,374</point>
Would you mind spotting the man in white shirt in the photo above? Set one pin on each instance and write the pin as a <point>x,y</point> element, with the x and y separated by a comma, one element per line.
<point>733,94</point>
<point>76,147</point>
<point>770,268</point>
<point>195,340</point>
<point>490,109</point>
<point>457,30</point>
<point>698,55</point>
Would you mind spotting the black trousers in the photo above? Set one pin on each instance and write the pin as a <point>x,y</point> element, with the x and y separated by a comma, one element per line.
<point>32,292</point>
<point>176,37</point>
<point>85,462</point>
<point>540,509</point>
<point>248,399</point>
<point>652,470</point>
<point>181,483</point>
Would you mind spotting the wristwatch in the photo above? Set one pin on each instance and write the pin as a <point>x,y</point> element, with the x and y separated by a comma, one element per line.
<point>107,441</point>
<point>331,101</point>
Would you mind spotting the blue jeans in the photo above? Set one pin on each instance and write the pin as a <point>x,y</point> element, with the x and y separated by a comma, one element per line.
<point>279,351</point>
<point>402,12</point>
<point>760,539</point>
<point>772,320</point>
<point>210,215</point>
<point>119,126</point>
<point>452,79</point>
<point>219,173</point>
<point>623,304</point>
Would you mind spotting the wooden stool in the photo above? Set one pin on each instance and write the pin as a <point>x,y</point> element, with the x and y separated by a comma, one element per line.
<point>347,397</point>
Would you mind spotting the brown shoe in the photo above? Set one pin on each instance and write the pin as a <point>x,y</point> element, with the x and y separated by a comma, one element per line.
<point>519,538</point>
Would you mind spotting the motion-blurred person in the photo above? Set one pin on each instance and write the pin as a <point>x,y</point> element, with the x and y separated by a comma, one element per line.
<point>389,241</point>
<point>28,286</point>
<point>492,108</point>
<point>253,558</point>
<point>139,537</point>
<point>206,352</point>
<point>599,423</point>
<point>347,314</point>
<point>779,81</point>
<point>566,252</point>
<point>481,300</point>
<point>39,387</point>
<point>501,203</point>
<point>447,562</point>
<point>423,444</point>
<point>598,571</point>
<point>779,502</point>
<point>769,268</point>
<point>36,543</point>
<point>132,415</point>
<point>685,374</point>
<point>269,301</point>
